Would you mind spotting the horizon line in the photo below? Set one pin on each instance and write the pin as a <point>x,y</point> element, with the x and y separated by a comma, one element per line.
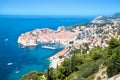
<point>104,14</point>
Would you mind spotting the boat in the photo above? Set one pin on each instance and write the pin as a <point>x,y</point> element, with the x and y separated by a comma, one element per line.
<point>9,64</point>
<point>17,72</point>
<point>6,39</point>
<point>48,47</point>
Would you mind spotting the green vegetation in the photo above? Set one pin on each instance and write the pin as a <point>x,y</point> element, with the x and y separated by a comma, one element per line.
<point>71,42</point>
<point>118,29</point>
<point>85,66</point>
<point>33,76</point>
<point>99,31</point>
<point>113,66</point>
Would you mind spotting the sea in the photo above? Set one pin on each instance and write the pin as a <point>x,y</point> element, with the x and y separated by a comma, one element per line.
<point>15,61</point>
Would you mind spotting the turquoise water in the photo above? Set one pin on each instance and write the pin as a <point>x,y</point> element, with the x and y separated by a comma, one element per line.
<point>31,58</point>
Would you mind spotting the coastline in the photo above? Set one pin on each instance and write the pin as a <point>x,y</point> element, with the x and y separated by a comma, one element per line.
<point>89,36</point>
<point>56,60</point>
<point>59,57</point>
<point>46,35</point>
<point>16,54</point>
<point>74,37</point>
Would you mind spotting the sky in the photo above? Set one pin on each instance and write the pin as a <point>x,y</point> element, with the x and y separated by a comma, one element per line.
<point>59,7</point>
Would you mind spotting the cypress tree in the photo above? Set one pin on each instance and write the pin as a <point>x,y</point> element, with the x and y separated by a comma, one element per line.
<point>48,77</point>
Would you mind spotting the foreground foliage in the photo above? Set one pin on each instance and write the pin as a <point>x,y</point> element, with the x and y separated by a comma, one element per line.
<point>33,76</point>
<point>85,66</point>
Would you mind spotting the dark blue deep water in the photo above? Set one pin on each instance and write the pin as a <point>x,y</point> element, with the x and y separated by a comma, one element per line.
<point>31,58</point>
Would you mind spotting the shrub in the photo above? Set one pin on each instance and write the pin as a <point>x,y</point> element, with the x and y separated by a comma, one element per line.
<point>88,69</point>
<point>32,76</point>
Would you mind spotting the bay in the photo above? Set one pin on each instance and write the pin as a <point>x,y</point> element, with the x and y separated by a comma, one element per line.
<point>30,58</point>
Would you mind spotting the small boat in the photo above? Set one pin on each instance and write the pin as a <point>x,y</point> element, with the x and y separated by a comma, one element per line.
<point>9,64</point>
<point>6,39</point>
<point>17,72</point>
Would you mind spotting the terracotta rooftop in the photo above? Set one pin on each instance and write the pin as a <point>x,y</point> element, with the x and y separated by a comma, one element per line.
<point>61,52</point>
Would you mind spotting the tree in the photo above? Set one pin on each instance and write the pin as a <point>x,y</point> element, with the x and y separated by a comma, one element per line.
<point>33,76</point>
<point>113,67</point>
<point>96,56</point>
<point>71,42</point>
<point>73,63</point>
<point>95,53</point>
<point>113,43</point>
<point>88,68</point>
<point>118,29</point>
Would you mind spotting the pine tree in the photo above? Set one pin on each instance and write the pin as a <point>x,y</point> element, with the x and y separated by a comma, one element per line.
<point>114,64</point>
<point>73,62</point>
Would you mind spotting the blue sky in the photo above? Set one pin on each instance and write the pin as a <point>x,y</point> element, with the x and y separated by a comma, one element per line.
<point>59,7</point>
